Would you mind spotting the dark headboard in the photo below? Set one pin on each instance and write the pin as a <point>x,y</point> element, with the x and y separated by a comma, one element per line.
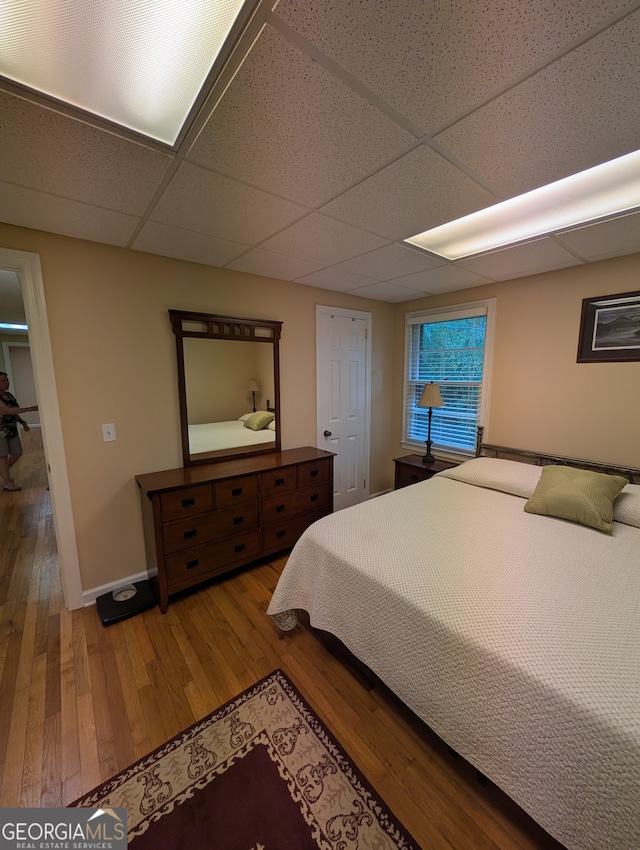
<point>483,449</point>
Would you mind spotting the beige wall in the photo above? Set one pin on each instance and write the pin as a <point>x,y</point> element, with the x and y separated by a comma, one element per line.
<point>114,359</point>
<point>541,398</point>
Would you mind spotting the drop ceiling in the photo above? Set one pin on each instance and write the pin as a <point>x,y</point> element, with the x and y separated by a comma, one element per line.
<point>341,127</point>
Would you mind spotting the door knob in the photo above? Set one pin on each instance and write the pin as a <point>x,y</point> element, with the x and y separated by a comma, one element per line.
<point>327,433</point>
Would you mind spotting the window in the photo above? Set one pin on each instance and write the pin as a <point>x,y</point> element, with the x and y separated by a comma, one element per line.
<point>452,348</point>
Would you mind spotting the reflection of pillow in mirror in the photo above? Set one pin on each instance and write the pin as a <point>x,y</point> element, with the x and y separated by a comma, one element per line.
<point>244,417</point>
<point>577,495</point>
<point>626,507</point>
<point>272,425</point>
<point>259,420</point>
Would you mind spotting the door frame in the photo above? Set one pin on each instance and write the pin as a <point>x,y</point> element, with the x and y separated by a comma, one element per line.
<point>27,267</point>
<point>322,309</point>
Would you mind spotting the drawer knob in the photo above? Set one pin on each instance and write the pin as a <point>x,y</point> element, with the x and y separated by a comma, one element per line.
<point>237,491</point>
<point>191,533</point>
<point>279,508</point>
<point>188,503</point>
<point>239,548</point>
<point>315,497</point>
<point>414,477</point>
<point>238,520</point>
<point>192,564</point>
<point>281,533</point>
<point>279,482</point>
<point>314,473</point>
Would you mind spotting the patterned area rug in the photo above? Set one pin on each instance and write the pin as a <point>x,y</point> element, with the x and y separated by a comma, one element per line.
<point>260,773</point>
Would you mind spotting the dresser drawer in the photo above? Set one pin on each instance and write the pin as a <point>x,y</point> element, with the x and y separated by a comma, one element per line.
<point>292,504</point>
<point>235,491</point>
<point>410,475</point>
<point>190,501</point>
<point>203,529</point>
<point>278,481</point>
<point>315,472</point>
<point>190,567</point>
<point>285,534</point>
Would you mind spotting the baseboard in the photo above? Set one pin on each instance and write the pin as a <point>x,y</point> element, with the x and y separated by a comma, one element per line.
<point>380,493</point>
<point>89,596</point>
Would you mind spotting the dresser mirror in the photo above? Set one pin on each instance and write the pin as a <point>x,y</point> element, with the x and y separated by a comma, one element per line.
<point>228,385</point>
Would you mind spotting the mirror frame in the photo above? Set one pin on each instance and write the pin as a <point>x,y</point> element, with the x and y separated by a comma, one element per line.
<point>236,328</point>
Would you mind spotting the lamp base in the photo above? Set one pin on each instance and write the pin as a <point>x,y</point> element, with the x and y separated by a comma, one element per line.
<point>428,457</point>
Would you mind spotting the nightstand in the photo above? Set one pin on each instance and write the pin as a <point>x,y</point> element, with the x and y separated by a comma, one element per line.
<point>410,469</point>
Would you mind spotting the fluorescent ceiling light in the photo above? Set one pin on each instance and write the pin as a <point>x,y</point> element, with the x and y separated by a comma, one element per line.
<point>597,193</point>
<point>8,326</point>
<point>138,63</point>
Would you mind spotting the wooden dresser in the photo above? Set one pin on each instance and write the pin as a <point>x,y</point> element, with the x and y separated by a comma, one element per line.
<point>203,521</point>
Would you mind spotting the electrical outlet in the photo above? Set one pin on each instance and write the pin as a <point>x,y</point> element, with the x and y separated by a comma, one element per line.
<point>109,432</point>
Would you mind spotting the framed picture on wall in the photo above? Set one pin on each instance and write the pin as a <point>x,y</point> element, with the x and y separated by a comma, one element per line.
<point>610,328</point>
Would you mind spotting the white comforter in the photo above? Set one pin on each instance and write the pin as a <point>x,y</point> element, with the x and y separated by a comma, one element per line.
<point>516,637</point>
<point>215,436</point>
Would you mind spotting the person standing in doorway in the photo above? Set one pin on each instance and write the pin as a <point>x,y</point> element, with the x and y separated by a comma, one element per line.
<point>10,445</point>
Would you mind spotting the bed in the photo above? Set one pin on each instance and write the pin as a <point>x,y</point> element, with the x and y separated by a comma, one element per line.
<point>231,434</point>
<point>514,635</point>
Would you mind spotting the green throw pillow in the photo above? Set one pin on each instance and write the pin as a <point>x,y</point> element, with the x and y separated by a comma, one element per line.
<point>259,420</point>
<point>577,495</point>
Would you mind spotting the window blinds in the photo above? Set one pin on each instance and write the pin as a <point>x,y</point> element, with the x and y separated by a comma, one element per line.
<point>448,349</point>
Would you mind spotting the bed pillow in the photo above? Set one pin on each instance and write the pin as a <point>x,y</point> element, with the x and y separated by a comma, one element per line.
<point>626,507</point>
<point>508,476</point>
<point>259,420</point>
<point>244,417</point>
<point>577,495</point>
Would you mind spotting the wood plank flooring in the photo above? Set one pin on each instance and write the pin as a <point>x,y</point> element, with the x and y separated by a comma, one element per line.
<point>79,702</point>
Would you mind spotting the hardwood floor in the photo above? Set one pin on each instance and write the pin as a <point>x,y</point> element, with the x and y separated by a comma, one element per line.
<point>79,702</point>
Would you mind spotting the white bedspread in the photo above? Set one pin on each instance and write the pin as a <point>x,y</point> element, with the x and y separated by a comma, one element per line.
<point>214,436</point>
<point>516,637</point>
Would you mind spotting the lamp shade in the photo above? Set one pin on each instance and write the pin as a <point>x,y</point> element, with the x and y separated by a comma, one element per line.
<point>431,396</point>
<point>253,386</point>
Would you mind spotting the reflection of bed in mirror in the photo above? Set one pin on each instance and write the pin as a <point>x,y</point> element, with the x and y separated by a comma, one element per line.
<point>231,434</point>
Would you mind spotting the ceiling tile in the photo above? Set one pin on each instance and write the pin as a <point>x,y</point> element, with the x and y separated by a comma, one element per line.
<point>268,264</point>
<point>155,238</point>
<point>606,239</point>
<point>418,191</point>
<point>288,126</point>
<point>532,258</point>
<point>322,240</point>
<point>431,61</point>
<point>579,111</point>
<point>50,152</point>
<point>339,281</point>
<point>387,292</point>
<point>442,279</point>
<point>41,211</point>
<point>390,261</point>
<point>200,200</point>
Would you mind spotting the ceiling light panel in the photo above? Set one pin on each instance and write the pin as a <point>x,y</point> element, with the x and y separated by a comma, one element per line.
<point>604,191</point>
<point>138,63</point>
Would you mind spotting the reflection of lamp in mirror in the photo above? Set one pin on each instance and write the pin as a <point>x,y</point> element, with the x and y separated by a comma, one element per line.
<point>253,389</point>
<point>430,398</point>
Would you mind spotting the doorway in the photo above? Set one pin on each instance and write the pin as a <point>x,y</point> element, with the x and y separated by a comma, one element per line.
<point>27,267</point>
<point>343,370</point>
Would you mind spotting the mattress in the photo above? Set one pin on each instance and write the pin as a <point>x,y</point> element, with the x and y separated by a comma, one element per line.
<point>515,637</point>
